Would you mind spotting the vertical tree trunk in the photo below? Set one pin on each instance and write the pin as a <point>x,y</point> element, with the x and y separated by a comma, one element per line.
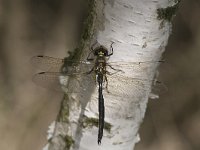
<point>140,31</point>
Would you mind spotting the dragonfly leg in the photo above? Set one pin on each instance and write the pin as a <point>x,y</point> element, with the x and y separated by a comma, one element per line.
<point>88,57</point>
<point>95,78</point>
<point>92,47</point>
<point>117,70</point>
<point>106,79</point>
<point>91,52</point>
<point>111,49</point>
<point>89,72</point>
<point>107,72</point>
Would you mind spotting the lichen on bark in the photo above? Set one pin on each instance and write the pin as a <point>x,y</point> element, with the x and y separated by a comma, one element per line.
<point>169,12</point>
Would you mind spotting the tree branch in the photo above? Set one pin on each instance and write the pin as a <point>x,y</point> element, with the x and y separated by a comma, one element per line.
<point>140,31</point>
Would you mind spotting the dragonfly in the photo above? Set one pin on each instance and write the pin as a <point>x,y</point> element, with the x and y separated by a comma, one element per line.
<point>96,65</point>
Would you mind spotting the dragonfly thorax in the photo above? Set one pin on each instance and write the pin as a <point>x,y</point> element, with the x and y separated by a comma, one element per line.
<point>100,68</point>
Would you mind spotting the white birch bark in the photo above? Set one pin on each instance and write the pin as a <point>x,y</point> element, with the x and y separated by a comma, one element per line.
<point>138,36</point>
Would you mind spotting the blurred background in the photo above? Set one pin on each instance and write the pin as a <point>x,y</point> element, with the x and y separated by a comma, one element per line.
<point>49,27</point>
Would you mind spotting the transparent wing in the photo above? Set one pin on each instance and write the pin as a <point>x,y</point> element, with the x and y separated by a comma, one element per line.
<point>119,69</point>
<point>115,67</point>
<point>58,70</point>
<point>47,63</point>
<point>49,80</point>
<point>120,86</point>
<point>123,63</point>
<point>52,64</point>
<point>57,81</point>
<point>75,69</point>
<point>117,85</point>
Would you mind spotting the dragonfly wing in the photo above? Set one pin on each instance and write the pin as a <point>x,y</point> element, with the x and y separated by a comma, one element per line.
<point>47,63</point>
<point>70,83</point>
<point>127,86</point>
<point>58,71</point>
<point>139,63</point>
<point>158,88</point>
<point>120,67</point>
<point>77,70</point>
<point>49,80</point>
<point>52,64</point>
<point>76,84</point>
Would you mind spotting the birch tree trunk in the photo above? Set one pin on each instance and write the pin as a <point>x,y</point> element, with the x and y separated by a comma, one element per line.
<point>140,31</point>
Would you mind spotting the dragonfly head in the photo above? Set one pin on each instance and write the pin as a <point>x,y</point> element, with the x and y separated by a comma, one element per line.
<point>101,51</point>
